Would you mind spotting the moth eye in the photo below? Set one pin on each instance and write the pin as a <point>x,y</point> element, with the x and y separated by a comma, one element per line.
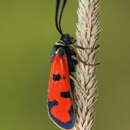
<point>56,77</point>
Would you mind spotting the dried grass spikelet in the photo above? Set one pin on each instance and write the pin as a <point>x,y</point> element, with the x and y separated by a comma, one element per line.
<point>85,84</point>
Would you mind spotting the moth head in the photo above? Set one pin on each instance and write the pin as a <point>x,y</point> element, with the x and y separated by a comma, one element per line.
<point>67,39</point>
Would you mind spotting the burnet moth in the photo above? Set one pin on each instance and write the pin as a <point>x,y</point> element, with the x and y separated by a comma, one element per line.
<point>60,102</point>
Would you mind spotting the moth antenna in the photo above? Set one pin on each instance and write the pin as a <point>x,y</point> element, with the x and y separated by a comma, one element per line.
<point>58,17</point>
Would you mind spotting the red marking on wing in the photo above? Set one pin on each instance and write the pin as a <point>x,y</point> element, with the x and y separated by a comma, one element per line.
<point>60,111</point>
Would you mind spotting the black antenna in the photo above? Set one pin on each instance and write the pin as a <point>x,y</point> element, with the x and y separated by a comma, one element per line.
<point>61,12</point>
<point>59,17</point>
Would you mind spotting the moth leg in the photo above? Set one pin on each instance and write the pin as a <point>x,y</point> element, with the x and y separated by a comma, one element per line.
<point>78,58</point>
<point>80,47</point>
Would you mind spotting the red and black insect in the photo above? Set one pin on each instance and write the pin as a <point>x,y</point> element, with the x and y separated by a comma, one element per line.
<point>60,102</point>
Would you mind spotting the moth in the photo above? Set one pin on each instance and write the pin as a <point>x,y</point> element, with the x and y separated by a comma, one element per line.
<point>60,102</point>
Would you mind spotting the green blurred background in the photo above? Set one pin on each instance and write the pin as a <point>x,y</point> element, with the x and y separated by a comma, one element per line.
<point>27,33</point>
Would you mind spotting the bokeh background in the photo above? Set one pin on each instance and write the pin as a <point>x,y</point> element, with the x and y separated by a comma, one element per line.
<point>27,33</point>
